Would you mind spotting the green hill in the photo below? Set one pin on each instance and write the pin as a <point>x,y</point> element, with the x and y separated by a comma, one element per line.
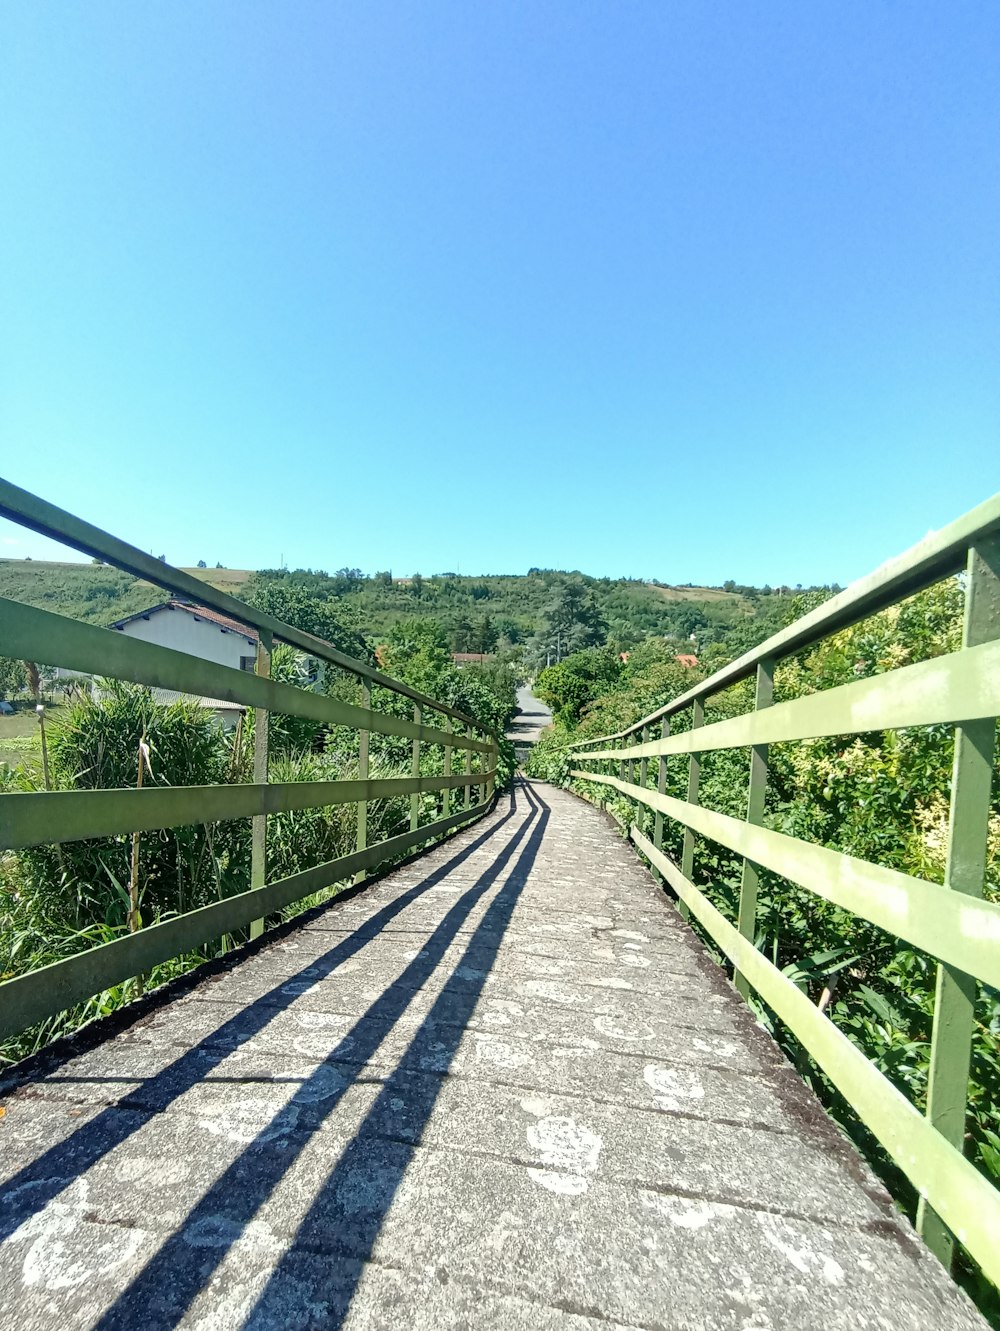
<point>94,592</point>
<point>514,605</point>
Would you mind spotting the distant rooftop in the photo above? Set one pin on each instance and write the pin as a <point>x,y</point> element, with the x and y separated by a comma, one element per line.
<point>225,622</point>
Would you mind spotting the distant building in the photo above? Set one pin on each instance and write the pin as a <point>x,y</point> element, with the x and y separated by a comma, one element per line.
<point>468,658</point>
<point>199,631</point>
<point>685,660</point>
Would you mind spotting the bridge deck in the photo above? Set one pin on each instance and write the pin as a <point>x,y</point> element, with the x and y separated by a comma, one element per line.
<point>501,1088</point>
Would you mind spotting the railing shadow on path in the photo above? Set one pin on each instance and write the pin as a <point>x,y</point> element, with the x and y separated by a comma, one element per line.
<point>29,1190</point>
<point>164,1290</point>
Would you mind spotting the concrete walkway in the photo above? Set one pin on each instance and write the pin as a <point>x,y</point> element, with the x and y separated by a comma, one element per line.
<point>501,1088</point>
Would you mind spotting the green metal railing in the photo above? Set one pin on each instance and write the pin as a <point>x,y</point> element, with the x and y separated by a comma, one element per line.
<point>952,922</point>
<point>44,818</point>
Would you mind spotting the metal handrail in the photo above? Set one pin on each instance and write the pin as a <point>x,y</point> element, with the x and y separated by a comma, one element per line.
<point>54,817</point>
<point>38,515</point>
<point>951,922</point>
<point>935,557</point>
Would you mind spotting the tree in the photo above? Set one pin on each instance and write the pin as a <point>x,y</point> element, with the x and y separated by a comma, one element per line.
<point>569,685</point>
<point>572,621</point>
<point>417,653</point>
<point>311,614</point>
<point>33,679</point>
<point>508,628</point>
<point>202,564</point>
<point>462,635</point>
<point>347,580</point>
<point>487,635</point>
<point>12,677</point>
<point>417,585</point>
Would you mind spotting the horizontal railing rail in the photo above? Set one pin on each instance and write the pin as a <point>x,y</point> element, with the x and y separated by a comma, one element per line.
<point>39,994</point>
<point>38,515</point>
<point>50,639</point>
<point>78,815</point>
<point>60,817</point>
<point>935,557</point>
<point>952,923</point>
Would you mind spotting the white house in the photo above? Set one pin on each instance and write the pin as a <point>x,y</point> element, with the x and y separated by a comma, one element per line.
<point>199,631</point>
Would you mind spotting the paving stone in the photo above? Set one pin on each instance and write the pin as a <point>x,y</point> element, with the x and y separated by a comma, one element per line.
<point>502,1087</point>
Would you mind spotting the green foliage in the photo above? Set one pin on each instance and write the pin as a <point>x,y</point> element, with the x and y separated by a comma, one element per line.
<point>285,600</point>
<point>568,686</point>
<point>417,654</point>
<point>572,620</point>
<point>95,745</point>
<point>557,610</point>
<point>12,677</point>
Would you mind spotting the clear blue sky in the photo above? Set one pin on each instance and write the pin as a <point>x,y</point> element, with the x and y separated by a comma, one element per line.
<point>683,290</point>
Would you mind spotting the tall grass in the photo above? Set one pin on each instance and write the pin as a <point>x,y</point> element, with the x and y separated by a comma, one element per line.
<point>58,901</point>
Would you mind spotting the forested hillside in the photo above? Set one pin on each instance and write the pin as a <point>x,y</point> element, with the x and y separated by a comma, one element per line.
<point>549,613</point>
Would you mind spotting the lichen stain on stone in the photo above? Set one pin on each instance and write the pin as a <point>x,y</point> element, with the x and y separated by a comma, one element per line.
<point>717,1048</point>
<point>672,1086</point>
<point>782,1236</point>
<point>536,1105</point>
<point>500,1054</point>
<point>569,1151</point>
<point>568,1185</point>
<point>555,993</point>
<point>151,1170</point>
<point>65,1251</point>
<point>248,1119</point>
<point>616,1028</point>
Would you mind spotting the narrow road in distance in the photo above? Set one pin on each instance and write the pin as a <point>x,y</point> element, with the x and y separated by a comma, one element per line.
<point>531,719</point>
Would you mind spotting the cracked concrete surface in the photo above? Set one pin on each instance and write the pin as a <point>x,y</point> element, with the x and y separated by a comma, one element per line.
<point>502,1087</point>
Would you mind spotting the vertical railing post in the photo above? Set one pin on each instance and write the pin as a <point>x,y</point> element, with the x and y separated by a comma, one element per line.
<point>756,791</point>
<point>694,776</point>
<point>467,789</point>
<point>661,787</point>
<point>446,725</point>
<point>968,827</point>
<point>415,771</point>
<point>364,745</point>
<point>643,764</point>
<point>261,720</point>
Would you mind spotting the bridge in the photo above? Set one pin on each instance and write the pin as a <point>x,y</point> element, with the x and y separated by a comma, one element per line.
<point>497,1079</point>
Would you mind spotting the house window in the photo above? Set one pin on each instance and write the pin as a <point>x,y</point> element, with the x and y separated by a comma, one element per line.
<point>248,663</point>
